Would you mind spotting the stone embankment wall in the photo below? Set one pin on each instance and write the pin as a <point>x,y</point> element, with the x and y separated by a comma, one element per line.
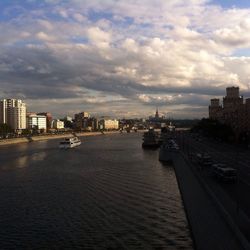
<point>49,137</point>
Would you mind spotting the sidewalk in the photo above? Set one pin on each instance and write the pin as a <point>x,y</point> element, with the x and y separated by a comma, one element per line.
<point>209,228</point>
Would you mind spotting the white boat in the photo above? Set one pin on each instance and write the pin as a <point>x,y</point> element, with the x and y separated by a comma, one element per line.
<point>171,127</point>
<point>70,142</point>
<point>150,139</point>
<point>168,150</point>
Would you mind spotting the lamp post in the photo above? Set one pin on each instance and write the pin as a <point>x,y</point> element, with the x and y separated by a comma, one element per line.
<point>237,163</point>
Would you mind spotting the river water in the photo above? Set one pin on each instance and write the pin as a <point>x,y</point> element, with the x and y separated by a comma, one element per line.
<point>108,193</point>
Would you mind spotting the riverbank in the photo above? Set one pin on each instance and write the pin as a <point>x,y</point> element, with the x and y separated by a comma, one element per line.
<point>50,137</point>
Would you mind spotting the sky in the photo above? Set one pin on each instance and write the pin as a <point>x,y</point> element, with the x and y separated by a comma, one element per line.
<point>123,58</point>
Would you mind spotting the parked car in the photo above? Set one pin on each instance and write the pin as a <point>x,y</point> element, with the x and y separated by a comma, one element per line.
<point>220,165</point>
<point>204,159</point>
<point>225,173</point>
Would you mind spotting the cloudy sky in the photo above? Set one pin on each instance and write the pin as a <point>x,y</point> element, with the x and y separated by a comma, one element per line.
<point>123,58</point>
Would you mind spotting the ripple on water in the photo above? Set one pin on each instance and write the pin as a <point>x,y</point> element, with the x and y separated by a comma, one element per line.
<point>107,194</point>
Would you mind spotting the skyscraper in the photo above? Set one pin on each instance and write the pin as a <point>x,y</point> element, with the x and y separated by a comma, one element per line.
<point>234,111</point>
<point>157,114</point>
<point>3,111</point>
<point>13,113</point>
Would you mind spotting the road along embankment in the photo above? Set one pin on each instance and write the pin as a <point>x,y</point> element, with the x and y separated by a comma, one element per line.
<point>209,228</point>
<point>50,137</point>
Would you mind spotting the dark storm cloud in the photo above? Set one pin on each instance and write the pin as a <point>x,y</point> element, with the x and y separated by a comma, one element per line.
<point>38,73</point>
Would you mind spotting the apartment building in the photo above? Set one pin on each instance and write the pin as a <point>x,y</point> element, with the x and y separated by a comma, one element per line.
<point>3,111</point>
<point>57,124</point>
<point>108,124</point>
<point>13,113</point>
<point>35,121</point>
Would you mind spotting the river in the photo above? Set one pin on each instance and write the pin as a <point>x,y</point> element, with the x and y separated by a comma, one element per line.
<point>108,193</point>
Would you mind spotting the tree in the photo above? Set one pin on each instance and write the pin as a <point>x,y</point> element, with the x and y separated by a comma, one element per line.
<point>26,132</point>
<point>5,129</point>
<point>215,129</point>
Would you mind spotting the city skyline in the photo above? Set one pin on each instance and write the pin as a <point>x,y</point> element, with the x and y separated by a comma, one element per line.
<point>121,58</point>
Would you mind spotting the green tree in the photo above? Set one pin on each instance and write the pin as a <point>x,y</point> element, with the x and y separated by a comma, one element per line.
<point>215,129</point>
<point>5,129</point>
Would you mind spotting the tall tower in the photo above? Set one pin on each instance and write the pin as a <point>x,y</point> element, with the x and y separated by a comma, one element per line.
<point>232,100</point>
<point>156,114</point>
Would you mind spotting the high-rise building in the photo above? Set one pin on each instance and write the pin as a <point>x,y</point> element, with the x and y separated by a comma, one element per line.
<point>3,111</point>
<point>234,111</point>
<point>215,109</point>
<point>35,121</point>
<point>157,114</point>
<point>232,100</point>
<point>13,113</point>
<point>81,120</point>
<point>48,119</point>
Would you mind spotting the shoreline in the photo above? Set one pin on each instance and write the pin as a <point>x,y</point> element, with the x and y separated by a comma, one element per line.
<point>50,137</point>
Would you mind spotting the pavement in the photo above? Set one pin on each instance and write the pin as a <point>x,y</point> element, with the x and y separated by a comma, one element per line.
<point>210,229</point>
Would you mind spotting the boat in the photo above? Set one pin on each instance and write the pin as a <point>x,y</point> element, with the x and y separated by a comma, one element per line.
<point>70,142</point>
<point>168,150</point>
<point>150,139</point>
<point>164,135</point>
<point>171,127</point>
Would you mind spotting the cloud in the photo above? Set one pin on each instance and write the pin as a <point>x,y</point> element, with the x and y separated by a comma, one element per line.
<point>99,37</point>
<point>175,54</point>
<point>45,37</point>
<point>80,18</point>
<point>237,36</point>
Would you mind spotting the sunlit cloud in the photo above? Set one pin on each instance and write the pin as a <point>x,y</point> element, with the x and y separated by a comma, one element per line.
<point>173,54</point>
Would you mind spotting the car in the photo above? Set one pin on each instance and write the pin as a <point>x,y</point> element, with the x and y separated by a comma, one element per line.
<point>225,173</point>
<point>202,158</point>
<point>220,165</point>
<point>207,162</point>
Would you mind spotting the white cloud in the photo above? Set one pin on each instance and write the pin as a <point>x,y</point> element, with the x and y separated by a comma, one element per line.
<point>130,49</point>
<point>235,37</point>
<point>63,13</point>
<point>99,37</point>
<point>45,24</point>
<point>80,18</point>
<point>45,37</point>
<point>130,45</point>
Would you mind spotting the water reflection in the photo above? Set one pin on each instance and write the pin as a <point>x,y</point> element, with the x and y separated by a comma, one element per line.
<point>24,161</point>
<point>21,162</point>
<point>38,156</point>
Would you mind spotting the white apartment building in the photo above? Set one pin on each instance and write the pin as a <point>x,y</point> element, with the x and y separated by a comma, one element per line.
<point>3,111</point>
<point>57,124</point>
<point>37,121</point>
<point>108,124</point>
<point>13,113</point>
